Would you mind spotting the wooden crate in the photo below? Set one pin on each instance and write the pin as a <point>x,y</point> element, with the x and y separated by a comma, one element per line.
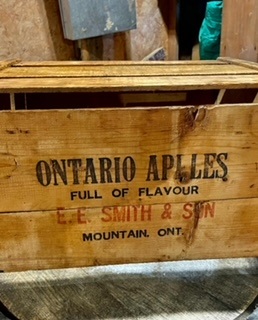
<point>119,162</point>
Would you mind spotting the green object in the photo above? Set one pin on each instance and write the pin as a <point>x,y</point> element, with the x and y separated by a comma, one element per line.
<point>210,32</point>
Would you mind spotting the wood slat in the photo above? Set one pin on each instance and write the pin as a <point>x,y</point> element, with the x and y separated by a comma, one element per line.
<point>7,64</point>
<point>114,63</point>
<point>124,71</point>
<point>73,238</point>
<point>218,148</point>
<point>114,84</point>
<point>239,62</point>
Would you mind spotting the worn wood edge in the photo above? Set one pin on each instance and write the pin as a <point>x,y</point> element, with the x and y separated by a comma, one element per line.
<point>8,63</point>
<point>208,107</point>
<point>239,62</point>
<point>115,84</point>
<point>84,72</point>
<point>114,63</point>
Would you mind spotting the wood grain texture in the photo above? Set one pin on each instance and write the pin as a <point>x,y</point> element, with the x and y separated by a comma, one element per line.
<point>7,63</point>
<point>125,71</point>
<point>241,40</point>
<point>222,166</point>
<point>125,84</point>
<point>102,186</point>
<point>122,76</point>
<point>239,62</point>
<point>202,192</point>
<point>118,235</point>
<point>115,63</point>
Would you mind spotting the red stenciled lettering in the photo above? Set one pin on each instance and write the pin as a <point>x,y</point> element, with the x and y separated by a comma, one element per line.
<point>205,210</point>
<point>210,210</point>
<point>107,214</point>
<point>167,214</point>
<point>188,209</point>
<point>127,213</point>
<point>146,213</point>
<point>60,216</point>
<point>81,216</point>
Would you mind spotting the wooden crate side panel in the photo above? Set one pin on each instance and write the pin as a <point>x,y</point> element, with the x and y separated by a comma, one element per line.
<point>94,158</point>
<point>114,235</point>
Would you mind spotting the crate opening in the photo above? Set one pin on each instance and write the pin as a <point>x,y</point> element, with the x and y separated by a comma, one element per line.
<point>88,100</point>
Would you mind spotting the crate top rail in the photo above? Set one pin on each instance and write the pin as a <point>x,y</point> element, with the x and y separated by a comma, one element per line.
<point>126,76</point>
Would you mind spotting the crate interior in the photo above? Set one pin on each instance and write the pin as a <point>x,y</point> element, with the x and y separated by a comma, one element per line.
<point>75,100</point>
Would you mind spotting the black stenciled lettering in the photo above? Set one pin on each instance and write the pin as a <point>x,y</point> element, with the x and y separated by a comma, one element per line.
<point>179,168</point>
<point>105,166</point>
<point>90,171</point>
<point>167,164</point>
<point>153,169</point>
<point>87,237</point>
<point>117,169</point>
<point>59,171</point>
<point>43,172</point>
<point>194,174</point>
<point>209,159</point>
<point>76,164</point>
<point>222,165</point>
<point>114,235</point>
<point>129,167</point>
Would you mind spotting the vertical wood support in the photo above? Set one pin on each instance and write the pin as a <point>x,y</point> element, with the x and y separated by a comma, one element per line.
<point>220,96</point>
<point>168,9</point>
<point>12,101</point>
<point>256,98</point>
<point>239,37</point>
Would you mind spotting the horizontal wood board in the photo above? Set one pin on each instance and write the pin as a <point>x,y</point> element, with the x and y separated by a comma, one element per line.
<point>122,84</point>
<point>123,71</point>
<point>115,63</point>
<point>126,76</point>
<point>86,158</point>
<point>115,235</point>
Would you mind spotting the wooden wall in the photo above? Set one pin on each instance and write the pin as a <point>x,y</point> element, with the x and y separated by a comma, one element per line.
<point>240,29</point>
<point>31,30</point>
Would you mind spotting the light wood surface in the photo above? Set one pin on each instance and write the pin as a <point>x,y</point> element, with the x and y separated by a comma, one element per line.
<point>125,71</point>
<point>101,186</point>
<point>121,76</point>
<point>114,235</point>
<point>239,37</point>
<point>222,165</point>
<point>197,178</point>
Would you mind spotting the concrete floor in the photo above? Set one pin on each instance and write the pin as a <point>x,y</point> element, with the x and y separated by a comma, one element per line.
<point>188,290</point>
